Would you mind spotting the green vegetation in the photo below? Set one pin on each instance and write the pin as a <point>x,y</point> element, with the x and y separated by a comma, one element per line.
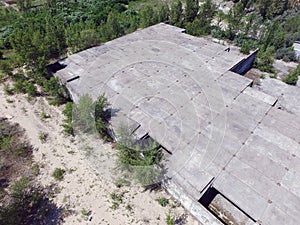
<point>89,116</point>
<point>163,201</point>
<point>28,204</point>
<point>85,214</point>
<point>7,89</point>
<point>139,158</point>
<point>292,78</point>
<point>58,174</point>
<point>43,31</point>
<point>67,125</point>
<point>22,201</point>
<point>43,137</point>
<point>117,200</point>
<point>170,220</point>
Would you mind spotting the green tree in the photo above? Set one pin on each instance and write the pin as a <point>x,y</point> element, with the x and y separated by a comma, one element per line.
<point>90,116</point>
<point>147,16</point>
<point>263,7</point>
<point>197,28</point>
<point>246,47</point>
<point>191,10</point>
<point>68,112</point>
<point>234,19</point>
<point>141,158</point>
<point>276,8</point>
<point>84,115</point>
<point>163,12</point>
<point>112,28</point>
<point>102,115</point>
<point>265,59</point>
<point>273,36</point>
<point>176,13</point>
<point>31,89</point>
<point>202,24</point>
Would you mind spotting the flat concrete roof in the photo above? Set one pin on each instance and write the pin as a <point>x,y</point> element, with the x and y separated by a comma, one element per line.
<point>221,132</point>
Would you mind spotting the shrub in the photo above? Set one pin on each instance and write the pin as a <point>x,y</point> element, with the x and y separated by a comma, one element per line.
<point>292,78</point>
<point>90,116</point>
<point>170,220</point>
<point>53,88</point>
<point>19,187</point>
<point>68,129</point>
<point>5,67</point>
<point>43,137</point>
<point>30,89</point>
<point>163,201</point>
<point>141,159</point>
<point>19,86</point>
<point>58,174</point>
<point>102,115</point>
<point>262,76</point>
<point>246,47</point>
<point>287,54</point>
<point>7,89</point>
<point>264,60</point>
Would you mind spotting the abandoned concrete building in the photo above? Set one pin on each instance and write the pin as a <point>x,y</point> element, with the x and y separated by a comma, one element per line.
<point>233,151</point>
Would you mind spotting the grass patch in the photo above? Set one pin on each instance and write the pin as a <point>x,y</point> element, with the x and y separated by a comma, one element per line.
<point>163,201</point>
<point>58,174</point>
<point>43,137</point>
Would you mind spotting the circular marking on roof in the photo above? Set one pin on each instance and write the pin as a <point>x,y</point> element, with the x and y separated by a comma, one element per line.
<point>145,81</point>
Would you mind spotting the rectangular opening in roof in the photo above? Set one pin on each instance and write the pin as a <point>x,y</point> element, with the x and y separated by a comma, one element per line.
<point>223,208</point>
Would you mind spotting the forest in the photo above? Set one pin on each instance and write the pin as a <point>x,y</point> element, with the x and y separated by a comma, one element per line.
<point>35,33</point>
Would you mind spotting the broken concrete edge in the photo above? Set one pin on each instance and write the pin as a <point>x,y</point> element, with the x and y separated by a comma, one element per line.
<point>194,207</point>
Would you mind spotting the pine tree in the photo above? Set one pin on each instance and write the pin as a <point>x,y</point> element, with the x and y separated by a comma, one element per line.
<point>191,10</point>
<point>176,13</point>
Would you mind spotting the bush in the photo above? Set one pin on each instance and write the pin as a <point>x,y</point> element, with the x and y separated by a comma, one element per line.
<point>53,88</point>
<point>30,89</point>
<point>89,116</point>
<point>19,187</point>
<point>140,158</point>
<point>68,128</point>
<point>28,205</point>
<point>264,60</point>
<point>292,78</point>
<point>246,47</point>
<point>43,137</point>
<point>58,174</point>
<point>287,54</point>
<point>7,89</point>
<point>163,201</point>
<point>170,220</point>
<point>20,86</point>
<point>102,115</point>
<point>5,67</point>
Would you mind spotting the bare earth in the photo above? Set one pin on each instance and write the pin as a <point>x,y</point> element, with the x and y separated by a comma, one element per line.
<point>90,170</point>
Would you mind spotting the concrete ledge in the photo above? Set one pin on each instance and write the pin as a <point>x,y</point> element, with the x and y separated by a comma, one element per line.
<point>260,95</point>
<point>194,207</point>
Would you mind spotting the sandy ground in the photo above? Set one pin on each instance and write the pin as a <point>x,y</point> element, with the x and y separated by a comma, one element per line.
<point>90,170</point>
